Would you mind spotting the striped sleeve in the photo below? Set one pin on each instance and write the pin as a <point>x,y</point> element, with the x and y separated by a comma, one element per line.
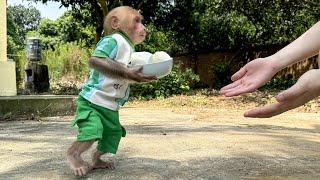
<point>106,47</point>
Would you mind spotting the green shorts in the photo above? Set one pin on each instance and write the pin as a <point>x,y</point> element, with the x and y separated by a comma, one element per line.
<point>98,123</point>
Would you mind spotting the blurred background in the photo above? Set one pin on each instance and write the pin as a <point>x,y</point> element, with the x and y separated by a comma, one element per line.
<point>209,39</point>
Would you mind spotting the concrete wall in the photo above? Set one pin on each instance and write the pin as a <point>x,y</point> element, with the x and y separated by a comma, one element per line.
<point>203,65</point>
<point>297,69</point>
<point>7,68</point>
<point>7,78</point>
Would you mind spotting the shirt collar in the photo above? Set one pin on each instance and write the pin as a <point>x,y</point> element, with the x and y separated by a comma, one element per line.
<point>125,36</point>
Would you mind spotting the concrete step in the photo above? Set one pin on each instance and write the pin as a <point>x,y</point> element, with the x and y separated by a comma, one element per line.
<point>36,105</point>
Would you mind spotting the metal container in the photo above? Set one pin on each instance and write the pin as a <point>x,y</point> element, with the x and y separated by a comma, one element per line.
<point>33,49</point>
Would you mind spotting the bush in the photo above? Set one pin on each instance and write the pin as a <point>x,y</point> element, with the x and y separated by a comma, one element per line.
<point>221,73</point>
<point>65,88</point>
<point>157,40</point>
<point>177,82</point>
<point>21,60</point>
<point>67,61</point>
<point>279,83</point>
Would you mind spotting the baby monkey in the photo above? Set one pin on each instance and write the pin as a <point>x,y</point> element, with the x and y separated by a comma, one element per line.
<point>106,90</point>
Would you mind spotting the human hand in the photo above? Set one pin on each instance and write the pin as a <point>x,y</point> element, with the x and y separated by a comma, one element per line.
<point>250,77</point>
<point>306,88</point>
<point>137,75</point>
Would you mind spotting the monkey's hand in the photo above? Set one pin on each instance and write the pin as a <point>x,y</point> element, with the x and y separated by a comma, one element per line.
<point>136,75</point>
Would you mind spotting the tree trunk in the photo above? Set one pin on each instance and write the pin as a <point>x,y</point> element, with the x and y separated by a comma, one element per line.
<point>104,6</point>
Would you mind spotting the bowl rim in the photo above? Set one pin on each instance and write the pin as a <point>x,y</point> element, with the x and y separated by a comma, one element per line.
<point>149,64</point>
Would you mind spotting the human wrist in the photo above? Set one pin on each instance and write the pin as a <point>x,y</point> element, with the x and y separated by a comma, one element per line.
<point>277,62</point>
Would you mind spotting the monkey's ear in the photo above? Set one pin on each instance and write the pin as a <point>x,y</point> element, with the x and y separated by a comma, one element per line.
<point>114,22</point>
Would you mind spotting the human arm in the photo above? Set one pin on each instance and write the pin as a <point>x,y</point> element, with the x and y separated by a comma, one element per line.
<point>115,69</point>
<point>307,45</point>
<point>306,88</point>
<point>259,71</point>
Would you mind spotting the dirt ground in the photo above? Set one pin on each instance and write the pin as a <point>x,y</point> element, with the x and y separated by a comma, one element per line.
<point>180,141</point>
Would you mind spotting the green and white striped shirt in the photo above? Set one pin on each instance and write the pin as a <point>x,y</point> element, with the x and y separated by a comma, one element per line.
<point>105,91</point>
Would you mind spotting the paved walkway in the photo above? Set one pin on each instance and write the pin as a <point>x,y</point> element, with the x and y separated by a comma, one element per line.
<point>161,144</point>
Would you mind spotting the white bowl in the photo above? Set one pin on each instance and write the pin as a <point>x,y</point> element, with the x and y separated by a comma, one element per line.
<point>159,69</point>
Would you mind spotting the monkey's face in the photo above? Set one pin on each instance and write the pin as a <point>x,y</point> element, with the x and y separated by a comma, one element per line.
<point>136,30</point>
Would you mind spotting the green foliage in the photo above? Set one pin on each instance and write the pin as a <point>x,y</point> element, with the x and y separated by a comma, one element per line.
<point>178,27</point>
<point>25,18</point>
<point>206,25</point>
<point>195,26</point>
<point>186,26</point>
<point>20,59</point>
<point>67,66</point>
<point>68,60</point>
<point>279,83</point>
<point>230,31</point>
<point>65,88</point>
<point>177,82</point>
<point>221,72</point>
<point>92,12</point>
<point>274,21</point>
<point>63,30</point>
<point>48,27</point>
<point>12,35</point>
<point>32,34</point>
<point>12,47</point>
<point>157,40</point>
<point>70,30</point>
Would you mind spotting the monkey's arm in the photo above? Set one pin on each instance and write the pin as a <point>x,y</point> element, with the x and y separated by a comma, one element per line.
<point>115,69</point>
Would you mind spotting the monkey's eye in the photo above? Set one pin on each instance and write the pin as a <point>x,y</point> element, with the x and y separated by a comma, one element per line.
<point>137,20</point>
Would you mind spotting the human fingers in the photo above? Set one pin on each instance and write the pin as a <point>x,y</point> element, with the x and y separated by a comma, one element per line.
<point>230,86</point>
<point>239,90</point>
<point>266,111</point>
<point>279,107</point>
<point>227,91</point>
<point>239,74</point>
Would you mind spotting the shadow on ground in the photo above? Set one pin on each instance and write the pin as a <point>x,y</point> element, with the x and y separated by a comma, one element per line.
<point>31,150</point>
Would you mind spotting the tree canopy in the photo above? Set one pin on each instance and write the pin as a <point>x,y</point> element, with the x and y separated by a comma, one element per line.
<point>12,35</point>
<point>99,8</point>
<point>193,26</point>
<point>25,18</point>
